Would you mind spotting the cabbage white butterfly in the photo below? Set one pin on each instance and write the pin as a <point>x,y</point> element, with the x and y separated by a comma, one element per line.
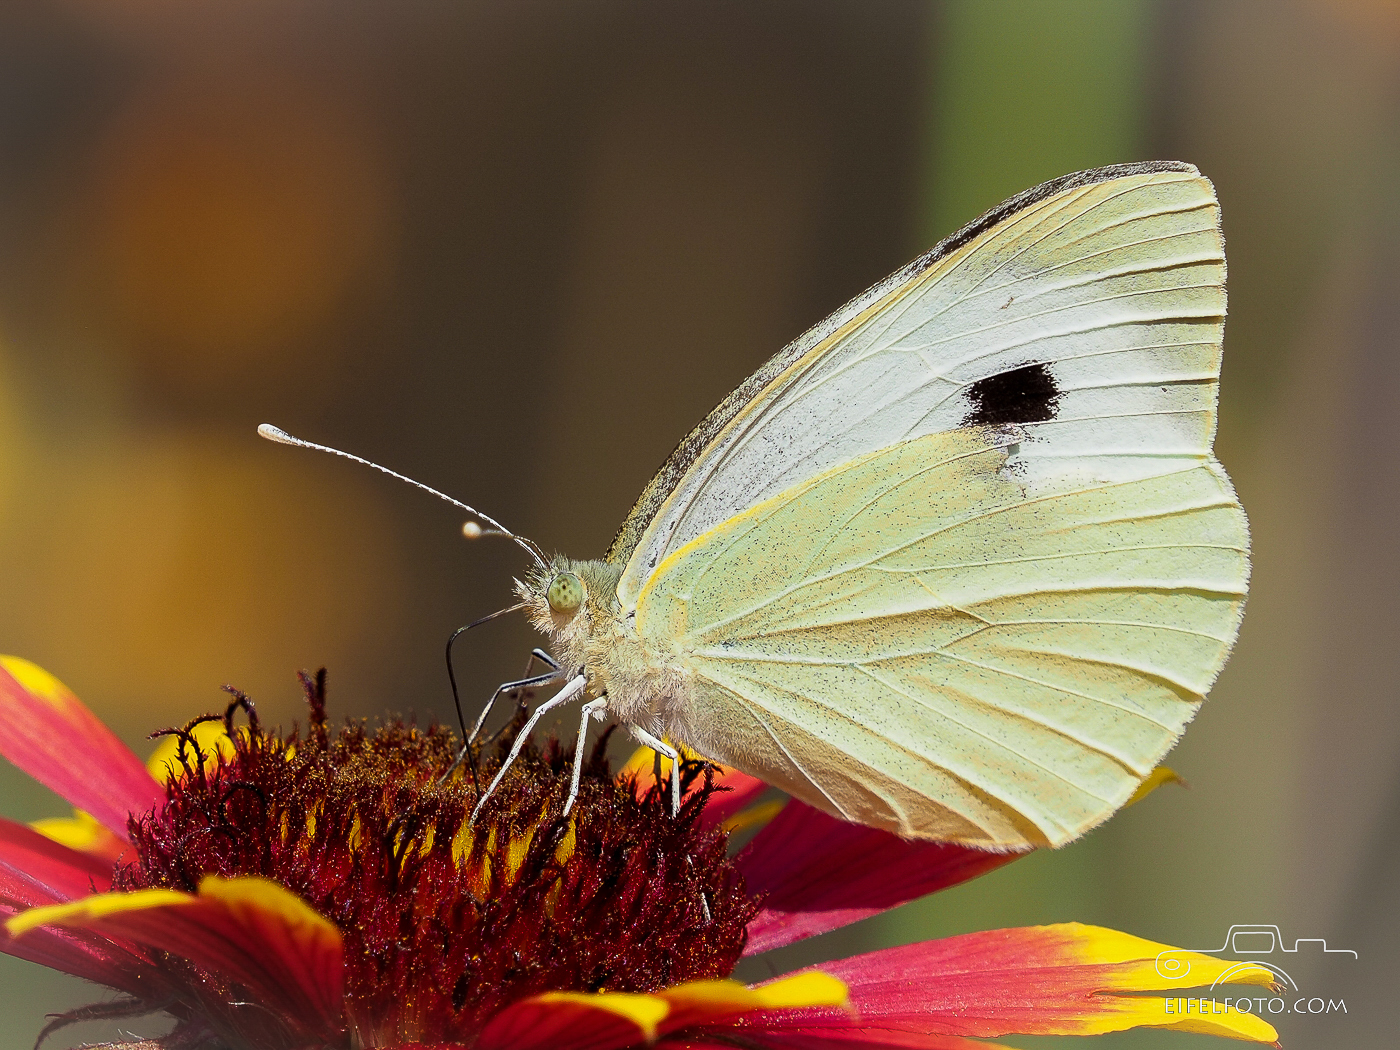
<point>958,562</point>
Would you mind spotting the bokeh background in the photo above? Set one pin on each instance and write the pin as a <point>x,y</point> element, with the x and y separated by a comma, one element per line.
<point>516,249</point>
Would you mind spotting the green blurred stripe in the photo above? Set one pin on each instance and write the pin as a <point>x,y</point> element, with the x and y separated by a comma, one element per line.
<point>1024,90</point>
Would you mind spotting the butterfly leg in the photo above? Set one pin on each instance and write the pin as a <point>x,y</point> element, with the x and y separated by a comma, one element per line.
<point>524,683</point>
<point>569,692</point>
<point>591,709</point>
<point>663,748</point>
<point>504,687</point>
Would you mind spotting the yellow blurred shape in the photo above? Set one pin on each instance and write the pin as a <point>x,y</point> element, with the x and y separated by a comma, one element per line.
<point>164,568</point>
<point>210,739</point>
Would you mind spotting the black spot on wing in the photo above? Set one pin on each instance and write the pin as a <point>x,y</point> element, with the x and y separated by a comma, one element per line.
<point>1022,395</point>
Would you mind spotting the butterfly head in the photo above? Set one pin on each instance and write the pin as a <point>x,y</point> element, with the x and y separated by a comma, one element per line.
<point>566,599</point>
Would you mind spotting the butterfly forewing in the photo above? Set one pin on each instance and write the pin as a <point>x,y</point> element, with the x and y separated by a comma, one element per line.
<point>1091,313</point>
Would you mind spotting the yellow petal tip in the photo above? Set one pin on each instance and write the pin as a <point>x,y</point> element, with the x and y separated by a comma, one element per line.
<point>34,679</point>
<point>644,1011</point>
<point>812,988</point>
<point>79,832</point>
<point>99,905</point>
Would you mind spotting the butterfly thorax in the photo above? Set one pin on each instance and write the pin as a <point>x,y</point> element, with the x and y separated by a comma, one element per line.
<point>642,678</point>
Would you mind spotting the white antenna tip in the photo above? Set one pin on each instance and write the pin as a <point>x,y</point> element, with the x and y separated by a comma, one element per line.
<point>472,531</point>
<point>277,434</point>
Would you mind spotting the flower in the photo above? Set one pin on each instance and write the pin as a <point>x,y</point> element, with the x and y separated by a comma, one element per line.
<point>323,891</point>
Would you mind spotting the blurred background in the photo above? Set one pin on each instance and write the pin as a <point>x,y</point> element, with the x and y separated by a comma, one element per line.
<point>517,249</point>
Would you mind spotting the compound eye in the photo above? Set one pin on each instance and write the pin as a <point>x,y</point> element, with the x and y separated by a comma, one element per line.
<point>565,593</point>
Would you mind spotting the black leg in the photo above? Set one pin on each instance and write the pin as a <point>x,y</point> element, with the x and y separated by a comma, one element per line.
<point>505,687</point>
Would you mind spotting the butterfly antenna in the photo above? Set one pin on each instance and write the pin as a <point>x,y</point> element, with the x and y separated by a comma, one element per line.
<point>457,697</point>
<point>281,437</point>
<point>451,675</point>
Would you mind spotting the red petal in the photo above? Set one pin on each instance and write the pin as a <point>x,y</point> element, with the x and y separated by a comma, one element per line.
<point>48,733</point>
<point>1041,980</point>
<point>613,1020</point>
<point>829,1039</point>
<point>819,873</point>
<point>742,791</point>
<point>251,930</point>
<point>574,1021</point>
<point>36,870</point>
<point>715,1003</point>
<point>83,833</point>
<point>89,957</point>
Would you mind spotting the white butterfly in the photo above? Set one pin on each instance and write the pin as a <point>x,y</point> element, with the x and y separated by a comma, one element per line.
<point>958,562</point>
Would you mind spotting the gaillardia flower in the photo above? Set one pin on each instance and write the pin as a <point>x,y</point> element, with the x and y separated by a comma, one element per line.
<point>328,890</point>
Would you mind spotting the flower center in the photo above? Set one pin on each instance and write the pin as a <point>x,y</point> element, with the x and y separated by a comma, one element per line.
<point>444,921</point>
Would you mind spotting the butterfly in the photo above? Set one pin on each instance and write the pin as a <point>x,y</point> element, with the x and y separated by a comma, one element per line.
<point>958,562</point>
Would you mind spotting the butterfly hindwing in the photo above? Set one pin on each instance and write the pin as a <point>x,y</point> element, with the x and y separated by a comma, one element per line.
<point>912,641</point>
